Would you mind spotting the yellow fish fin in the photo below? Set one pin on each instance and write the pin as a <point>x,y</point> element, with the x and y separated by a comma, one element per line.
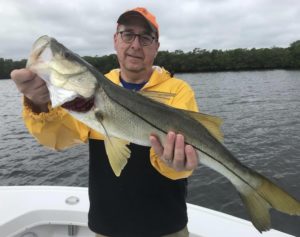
<point>161,97</point>
<point>118,153</point>
<point>258,200</point>
<point>210,122</point>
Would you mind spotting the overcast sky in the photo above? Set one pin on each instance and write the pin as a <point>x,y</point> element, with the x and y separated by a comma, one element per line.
<point>87,26</point>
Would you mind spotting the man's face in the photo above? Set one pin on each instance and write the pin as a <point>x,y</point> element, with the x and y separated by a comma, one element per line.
<point>134,57</point>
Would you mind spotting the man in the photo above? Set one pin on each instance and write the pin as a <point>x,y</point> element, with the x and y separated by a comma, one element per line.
<point>148,199</point>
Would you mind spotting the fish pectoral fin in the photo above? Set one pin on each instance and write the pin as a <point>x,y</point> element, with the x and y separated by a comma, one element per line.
<point>116,148</point>
<point>211,123</point>
<point>161,97</point>
<point>117,152</point>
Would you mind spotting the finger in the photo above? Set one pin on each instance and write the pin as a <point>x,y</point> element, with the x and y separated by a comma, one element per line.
<point>179,153</point>
<point>156,145</point>
<point>169,147</point>
<point>191,158</point>
<point>42,95</point>
<point>22,75</point>
<point>35,90</point>
<point>24,80</point>
<point>38,82</point>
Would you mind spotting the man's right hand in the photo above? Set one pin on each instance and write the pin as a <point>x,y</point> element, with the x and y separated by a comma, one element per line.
<point>33,88</point>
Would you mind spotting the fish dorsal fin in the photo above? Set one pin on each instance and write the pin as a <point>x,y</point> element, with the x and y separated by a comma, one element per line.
<point>118,153</point>
<point>161,97</point>
<point>210,122</point>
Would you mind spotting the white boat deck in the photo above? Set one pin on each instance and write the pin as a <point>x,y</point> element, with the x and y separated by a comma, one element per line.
<point>51,211</point>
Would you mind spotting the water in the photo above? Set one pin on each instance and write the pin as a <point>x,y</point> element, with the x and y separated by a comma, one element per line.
<point>261,112</point>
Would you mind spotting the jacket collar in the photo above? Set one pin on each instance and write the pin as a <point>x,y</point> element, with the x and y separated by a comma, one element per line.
<point>158,76</point>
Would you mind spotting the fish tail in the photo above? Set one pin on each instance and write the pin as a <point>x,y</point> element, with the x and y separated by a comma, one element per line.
<point>267,195</point>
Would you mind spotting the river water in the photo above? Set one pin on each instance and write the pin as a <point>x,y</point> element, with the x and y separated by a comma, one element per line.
<point>261,113</point>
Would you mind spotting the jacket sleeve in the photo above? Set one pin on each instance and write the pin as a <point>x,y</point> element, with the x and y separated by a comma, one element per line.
<point>184,99</point>
<point>55,129</point>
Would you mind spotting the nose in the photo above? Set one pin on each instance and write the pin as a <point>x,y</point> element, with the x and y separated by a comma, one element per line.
<point>136,43</point>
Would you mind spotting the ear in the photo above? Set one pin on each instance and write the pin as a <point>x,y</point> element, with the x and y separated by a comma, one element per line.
<point>115,41</point>
<point>157,47</point>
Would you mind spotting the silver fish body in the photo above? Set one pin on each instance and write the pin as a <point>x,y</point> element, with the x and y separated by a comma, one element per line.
<point>125,116</point>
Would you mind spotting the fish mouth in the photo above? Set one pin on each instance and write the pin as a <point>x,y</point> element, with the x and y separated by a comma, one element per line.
<point>79,104</point>
<point>39,46</point>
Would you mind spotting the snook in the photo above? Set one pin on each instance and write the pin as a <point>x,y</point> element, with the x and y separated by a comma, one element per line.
<point>124,116</point>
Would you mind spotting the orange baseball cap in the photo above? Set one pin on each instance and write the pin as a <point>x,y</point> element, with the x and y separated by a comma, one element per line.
<point>142,12</point>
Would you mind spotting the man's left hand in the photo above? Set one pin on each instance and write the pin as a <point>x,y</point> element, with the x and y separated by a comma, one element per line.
<point>175,153</point>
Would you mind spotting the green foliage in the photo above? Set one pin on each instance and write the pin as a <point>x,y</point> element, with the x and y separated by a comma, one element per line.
<point>198,60</point>
<point>294,50</point>
<point>7,65</point>
<point>104,64</point>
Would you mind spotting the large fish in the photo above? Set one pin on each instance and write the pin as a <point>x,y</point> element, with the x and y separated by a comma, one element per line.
<point>125,116</point>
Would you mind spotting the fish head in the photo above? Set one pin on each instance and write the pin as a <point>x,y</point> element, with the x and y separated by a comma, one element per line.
<point>67,76</point>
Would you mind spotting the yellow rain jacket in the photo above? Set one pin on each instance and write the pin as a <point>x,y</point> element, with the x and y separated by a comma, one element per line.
<point>57,129</point>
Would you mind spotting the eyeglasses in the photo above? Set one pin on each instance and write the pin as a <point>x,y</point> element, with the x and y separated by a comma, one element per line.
<point>144,39</point>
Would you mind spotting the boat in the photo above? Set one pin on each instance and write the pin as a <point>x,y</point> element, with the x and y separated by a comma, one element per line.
<point>58,211</point>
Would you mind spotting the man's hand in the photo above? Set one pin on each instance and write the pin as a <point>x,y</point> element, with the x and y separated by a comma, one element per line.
<point>33,88</point>
<point>175,153</point>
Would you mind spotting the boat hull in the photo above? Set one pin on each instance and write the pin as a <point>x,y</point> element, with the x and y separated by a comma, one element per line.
<point>50,211</point>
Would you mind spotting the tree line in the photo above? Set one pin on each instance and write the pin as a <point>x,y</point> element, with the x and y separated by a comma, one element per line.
<point>198,60</point>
